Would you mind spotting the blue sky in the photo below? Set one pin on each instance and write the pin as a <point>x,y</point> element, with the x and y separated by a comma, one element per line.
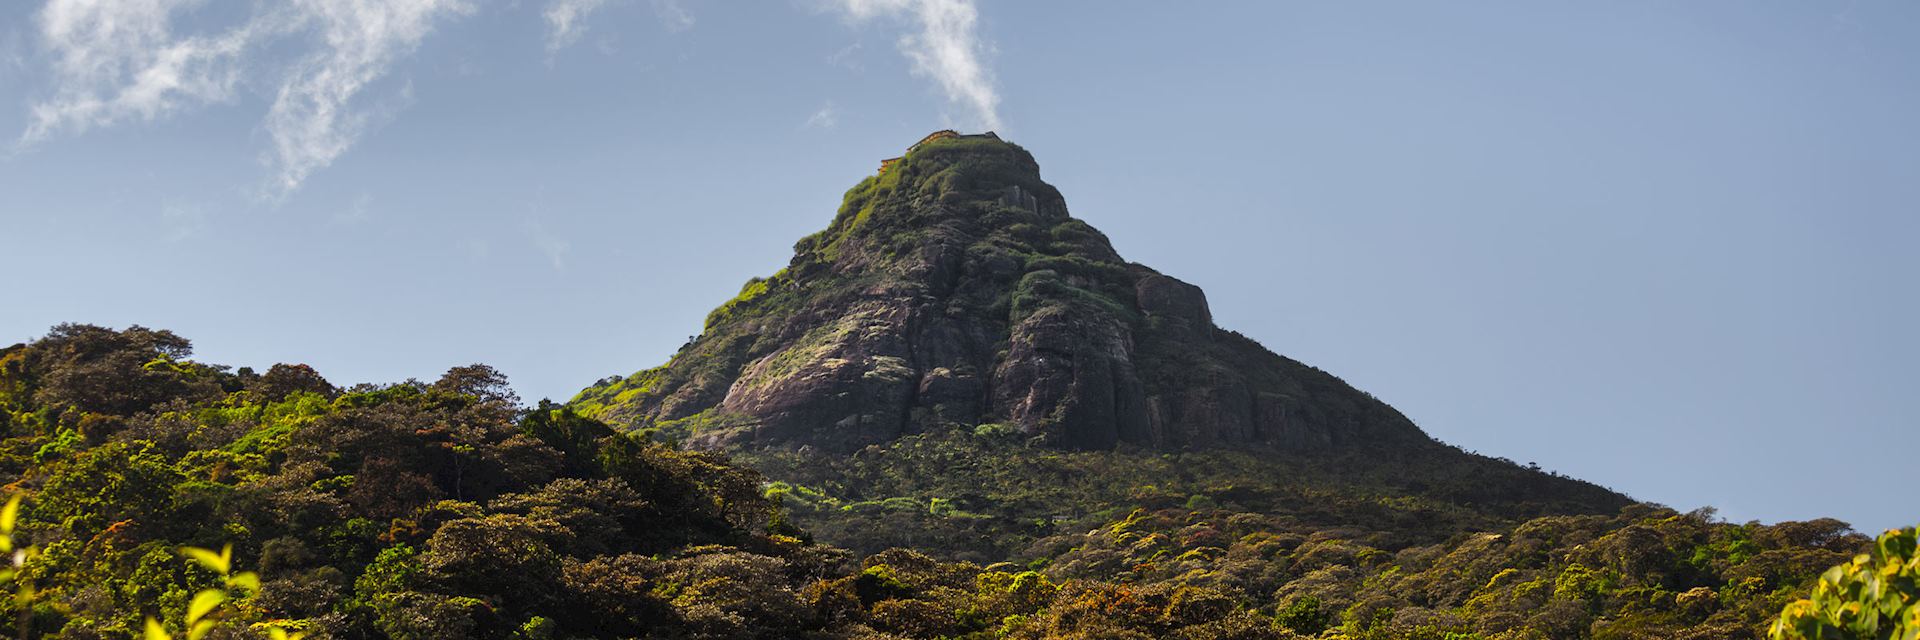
<point>1667,247</point>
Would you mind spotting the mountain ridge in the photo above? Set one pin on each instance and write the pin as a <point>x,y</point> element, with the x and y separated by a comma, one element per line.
<point>955,341</point>
<point>956,289</point>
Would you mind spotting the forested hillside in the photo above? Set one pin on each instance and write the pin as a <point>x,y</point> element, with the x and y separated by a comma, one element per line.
<point>957,414</point>
<point>445,509</point>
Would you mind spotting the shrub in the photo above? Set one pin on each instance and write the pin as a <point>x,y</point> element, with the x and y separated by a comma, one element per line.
<point>1304,616</point>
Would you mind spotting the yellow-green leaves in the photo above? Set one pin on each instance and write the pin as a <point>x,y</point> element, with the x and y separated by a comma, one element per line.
<point>277,633</point>
<point>201,610</point>
<point>220,562</point>
<point>9,515</point>
<point>203,604</point>
<point>1871,596</point>
<point>245,581</point>
<point>155,631</point>
<point>16,557</point>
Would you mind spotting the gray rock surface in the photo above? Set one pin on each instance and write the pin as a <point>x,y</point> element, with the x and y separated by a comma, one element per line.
<point>955,290</point>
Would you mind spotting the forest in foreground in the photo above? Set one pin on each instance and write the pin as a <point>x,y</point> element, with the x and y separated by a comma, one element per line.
<point>156,496</point>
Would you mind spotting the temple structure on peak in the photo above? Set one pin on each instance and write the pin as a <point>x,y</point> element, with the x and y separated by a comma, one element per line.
<point>937,135</point>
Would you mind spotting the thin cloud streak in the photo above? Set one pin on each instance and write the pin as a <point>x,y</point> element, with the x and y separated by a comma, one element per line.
<point>566,21</point>
<point>121,60</point>
<point>847,57</point>
<point>947,49</point>
<point>826,117</point>
<point>672,15</point>
<point>116,61</point>
<point>310,122</point>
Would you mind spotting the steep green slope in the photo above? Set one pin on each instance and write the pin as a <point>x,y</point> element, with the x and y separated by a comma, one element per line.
<point>987,496</point>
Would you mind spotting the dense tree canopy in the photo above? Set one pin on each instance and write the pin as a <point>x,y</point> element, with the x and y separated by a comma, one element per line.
<point>449,510</point>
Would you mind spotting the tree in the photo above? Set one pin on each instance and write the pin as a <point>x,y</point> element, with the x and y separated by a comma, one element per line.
<point>484,383</point>
<point>100,370</point>
<point>112,483</point>
<point>286,379</point>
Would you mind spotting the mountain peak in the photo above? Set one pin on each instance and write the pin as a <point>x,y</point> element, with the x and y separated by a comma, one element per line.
<point>943,176</point>
<point>943,134</point>
<point>952,290</point>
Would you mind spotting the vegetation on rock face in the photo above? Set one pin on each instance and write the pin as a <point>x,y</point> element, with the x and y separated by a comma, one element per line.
<point>955,290</point>
<point>974,347</point>
<point>989,494</point>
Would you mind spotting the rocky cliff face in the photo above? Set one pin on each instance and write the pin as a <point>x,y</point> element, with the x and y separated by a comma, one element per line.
<point>954,290</point>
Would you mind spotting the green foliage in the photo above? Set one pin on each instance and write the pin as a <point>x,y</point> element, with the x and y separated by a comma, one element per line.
<point>406,510</point>
<point>447,510</point>
<point>1578,582</point>
<point>1873,596</point>
<point>996,431</point>
<point>206,610</point>
<point>1304,616</point>
<point>394,573</point>
<point>751,292</point>
<point>1027,493</point>
<point>63,444</point>
<point>116,482</point>
<point>1038,289</point>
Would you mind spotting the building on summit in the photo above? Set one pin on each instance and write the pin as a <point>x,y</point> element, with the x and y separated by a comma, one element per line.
<point>937,135</point>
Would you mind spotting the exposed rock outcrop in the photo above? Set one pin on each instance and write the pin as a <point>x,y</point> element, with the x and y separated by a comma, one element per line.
<point>955,290</point>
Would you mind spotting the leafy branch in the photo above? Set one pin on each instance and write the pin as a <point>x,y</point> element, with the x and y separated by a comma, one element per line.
<point>17,558</point>
<point>1874,596</point>
<point>203,609</point>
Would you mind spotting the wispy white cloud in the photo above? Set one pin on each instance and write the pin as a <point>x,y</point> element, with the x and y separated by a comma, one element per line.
<point>944,44</point>
<point>947,49</point>
<point>120,60</point>
<point>566,21</point>
<point>848,57</point>
<point>115,60</point>
<point>311,121</point>
<point>825,118</point>
<point>673,15</point>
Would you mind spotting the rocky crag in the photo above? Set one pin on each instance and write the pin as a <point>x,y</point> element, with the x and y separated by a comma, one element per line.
<point>956,290</point>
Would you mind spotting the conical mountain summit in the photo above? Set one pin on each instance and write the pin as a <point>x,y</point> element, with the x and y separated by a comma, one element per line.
<point>953,289</point>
